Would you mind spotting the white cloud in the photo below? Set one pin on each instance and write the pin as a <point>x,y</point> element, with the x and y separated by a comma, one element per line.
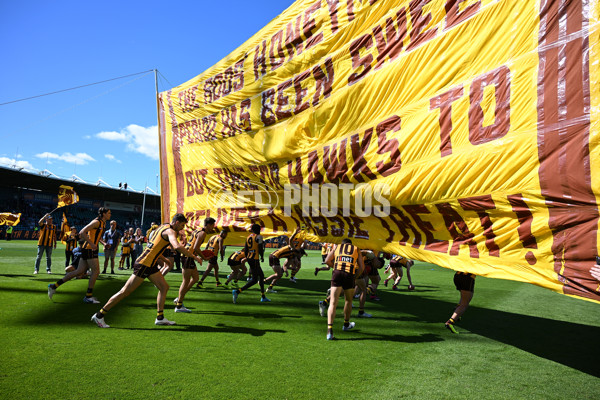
<point>139,139</point>
<point>115,136</point>
<point>10,162</point>
<point>112,158</point>
<point>78,159</point>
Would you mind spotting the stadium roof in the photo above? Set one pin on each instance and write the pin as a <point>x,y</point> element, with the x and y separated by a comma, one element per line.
<point>46,181</point>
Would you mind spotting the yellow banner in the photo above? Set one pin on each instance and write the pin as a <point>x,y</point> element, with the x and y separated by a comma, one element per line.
<point>462,133</point>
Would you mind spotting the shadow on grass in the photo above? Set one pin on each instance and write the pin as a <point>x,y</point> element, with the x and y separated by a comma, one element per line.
<point>424,338</point>
<point>218,328</point>
<point>246,314</point>
<point>568,343</point>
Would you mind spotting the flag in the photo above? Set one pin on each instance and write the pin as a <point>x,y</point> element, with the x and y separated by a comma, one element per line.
<point>66,196</point>
<point>10,219</point>
<point>64,229</point>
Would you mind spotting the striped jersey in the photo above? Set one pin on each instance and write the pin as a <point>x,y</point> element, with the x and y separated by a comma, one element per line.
<point>155,247</point>
<point>95,233</point>
<point>346,258</point>
<point>237,256</point>
<point>47,235</point>
<point>284,252</point>
<point>195,238</point>
<point>71,241</point>
<point>213,244</point>
<point>251,248</point>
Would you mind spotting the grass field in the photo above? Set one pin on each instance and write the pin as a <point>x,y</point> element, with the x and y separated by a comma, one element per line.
<point>516,341</point>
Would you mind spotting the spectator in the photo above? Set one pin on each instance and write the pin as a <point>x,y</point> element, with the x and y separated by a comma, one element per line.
<point>111,239</point>
<point>46,242</point>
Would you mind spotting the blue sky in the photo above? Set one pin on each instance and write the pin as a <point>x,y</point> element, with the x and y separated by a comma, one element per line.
<point>106,131</point>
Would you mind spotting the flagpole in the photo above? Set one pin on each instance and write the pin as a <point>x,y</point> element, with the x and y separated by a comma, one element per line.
<point>144,206</point>
<point>163,217</point>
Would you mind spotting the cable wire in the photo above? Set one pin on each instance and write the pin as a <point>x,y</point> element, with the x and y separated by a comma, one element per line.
<point>76,87</point>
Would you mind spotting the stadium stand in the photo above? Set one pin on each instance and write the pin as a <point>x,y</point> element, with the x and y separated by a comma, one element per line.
<point>34,194</point>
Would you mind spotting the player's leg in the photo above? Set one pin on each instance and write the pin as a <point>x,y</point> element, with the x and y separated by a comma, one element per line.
<point>163,287</point>
<point>336,291</point>
<point>132,283</point>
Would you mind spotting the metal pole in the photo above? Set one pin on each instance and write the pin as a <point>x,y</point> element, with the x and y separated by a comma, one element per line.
<point>144,207</point>
<point>162,212</point>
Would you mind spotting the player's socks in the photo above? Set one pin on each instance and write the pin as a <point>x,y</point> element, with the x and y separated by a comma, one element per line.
<point>100,314</point>
<point>159,315</point>
<point>89,293</point>
<point>326,301</point>
<point>330,329</point>
<point>179,304</point>
<point>346,323</point>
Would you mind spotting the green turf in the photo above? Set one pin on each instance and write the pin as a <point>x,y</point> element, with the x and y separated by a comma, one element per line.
<point>516,341</point>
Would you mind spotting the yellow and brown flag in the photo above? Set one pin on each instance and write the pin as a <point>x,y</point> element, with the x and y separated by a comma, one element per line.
<point>10,219</point>
<point>66,196</point>
<point>64,229</point>
<point>481,117</point>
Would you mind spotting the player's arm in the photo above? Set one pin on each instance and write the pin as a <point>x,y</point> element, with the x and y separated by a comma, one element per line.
<point>330,257</point>
<point>222,247</point>
<point>294,234</point>
<point>261,248</point>
<point>42,220</point>
<point>83,234</point>
<point>179,247</point>
<point>361,264</point>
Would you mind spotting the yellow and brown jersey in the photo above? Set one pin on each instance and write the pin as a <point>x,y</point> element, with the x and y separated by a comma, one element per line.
<point>284,252</point>
<point>399,259</point>
<point>47,235</point>
<point>346,258</point>
<point>324,249</point>
<point>195,238</point>
<point>155,247</point>
<point>71,241</point>
<point>214,244</point>
<point>237,256</point>
<point>95,233</point>
<point>251,247</point>
<point>297,242</point>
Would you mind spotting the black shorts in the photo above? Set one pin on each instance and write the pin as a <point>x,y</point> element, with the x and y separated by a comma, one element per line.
<point>274,261</point>
<point>213,260</point>
<point>143,271</point>
<point>342,279</point>
<point>89,254</point>
<point>464,282</point>
<point>189,263</point>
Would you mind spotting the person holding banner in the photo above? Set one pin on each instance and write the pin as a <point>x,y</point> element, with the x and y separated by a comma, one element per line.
<point>146,267</point>
<point>46,242</point>
<point>90,237</point>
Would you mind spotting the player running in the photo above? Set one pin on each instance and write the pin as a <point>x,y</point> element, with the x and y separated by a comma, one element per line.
<point>145,267</point>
